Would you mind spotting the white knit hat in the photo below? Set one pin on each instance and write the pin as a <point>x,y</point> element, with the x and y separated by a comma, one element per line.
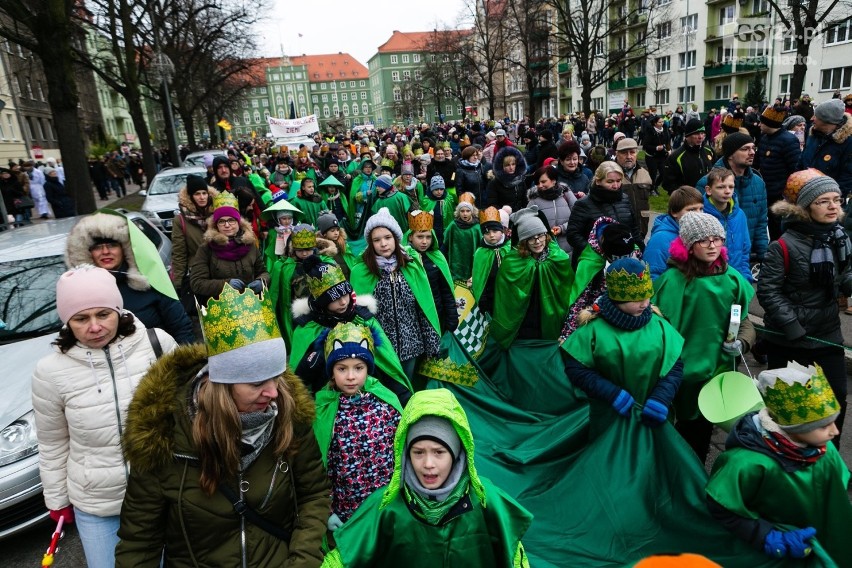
<point>696,226</point>
<point>383,218</point>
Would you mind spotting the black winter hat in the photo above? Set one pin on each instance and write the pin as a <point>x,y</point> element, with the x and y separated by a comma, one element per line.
<point>195,183</point>
<point>693,126</point>
<point>734,142</point>
<point>617,241</point>
<point>219,160</point>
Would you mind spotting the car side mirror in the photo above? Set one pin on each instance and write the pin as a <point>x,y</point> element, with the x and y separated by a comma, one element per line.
<point>143,192</point>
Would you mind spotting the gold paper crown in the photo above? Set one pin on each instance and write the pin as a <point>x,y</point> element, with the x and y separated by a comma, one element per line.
<point>304,238</point>
<point>775,114</point>
<point>330,276</point>
<point>733,121</point>
<point>491,214</point>
<point>420,220</point>
<point>225,199</point>
<point>344,333</point>
<point>797,402</point>
<point>625,286</point>
<point>467,197</point>
<point>234,320</point>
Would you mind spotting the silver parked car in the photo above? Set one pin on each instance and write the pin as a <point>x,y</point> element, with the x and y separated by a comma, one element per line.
<point>197,158</point>
<point>31,260</point>
<point>161,197</point>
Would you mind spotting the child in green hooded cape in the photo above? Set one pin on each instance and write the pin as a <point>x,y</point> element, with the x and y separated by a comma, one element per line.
<point>361,196</point>
<point>389,197</point>
<point>328,227</point>
<point>529,293</point>
<point>421,237</point>
<point>489,256</point>
<point>308,201</point>
<point>280,220</point>
<point>780,484</point>
<point>355,423</point>
<point>395,275</point>
<point>436,510</point>
<point>332,194</point>
<point>441,204</point>
<point>461,238</point>
<point>331,302</point>
<point>696,294</point>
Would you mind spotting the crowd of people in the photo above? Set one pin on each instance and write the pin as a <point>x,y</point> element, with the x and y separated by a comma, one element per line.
<point>337,371</point>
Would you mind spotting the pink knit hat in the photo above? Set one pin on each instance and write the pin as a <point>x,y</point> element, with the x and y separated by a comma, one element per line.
<point>86,287</point>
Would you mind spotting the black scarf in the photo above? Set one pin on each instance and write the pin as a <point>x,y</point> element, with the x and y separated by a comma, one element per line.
<point>605,195</point>
<point>551,193</point>
<point>829,238</point>
<point>611,313</point>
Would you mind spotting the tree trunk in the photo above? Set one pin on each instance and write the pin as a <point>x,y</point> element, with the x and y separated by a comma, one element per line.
<point>213,129</point>
<point>800,67</point>
<point>189,126</point>
<point>134,107</point>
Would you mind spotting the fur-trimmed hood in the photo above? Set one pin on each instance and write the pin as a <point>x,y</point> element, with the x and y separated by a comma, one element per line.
<point>245,237</point>
<point>841,134</point>
<point>157,419</point>
<point>791,211</point>
<point>103,226</point>
<point>187,205</point>
<point>326,247</point>
<point>520,169</point>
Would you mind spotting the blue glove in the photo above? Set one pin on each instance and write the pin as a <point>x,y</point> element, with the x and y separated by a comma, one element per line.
<point>623,403</point>
<point>735,347</point>
<point>256,286</point>
<point>237,284</point>
<point>654,412</point>
<point>334,522</point>
<point>794,543</point>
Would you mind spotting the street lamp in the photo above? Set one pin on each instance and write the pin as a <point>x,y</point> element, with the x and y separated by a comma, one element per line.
<point>162,70</point>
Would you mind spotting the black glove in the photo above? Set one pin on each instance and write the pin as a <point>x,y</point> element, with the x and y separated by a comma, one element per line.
<point>237,284</point>
<point>256,286</point>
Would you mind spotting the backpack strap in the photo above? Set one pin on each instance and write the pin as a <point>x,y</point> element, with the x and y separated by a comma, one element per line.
<point>155,342</point>
<point>786,253</point>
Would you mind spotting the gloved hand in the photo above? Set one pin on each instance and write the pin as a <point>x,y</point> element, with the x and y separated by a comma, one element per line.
<point>256,286</point>
<point>237,284</point>
<point>735,347</point>
<point>67,512</point>
<point>623,403</point>
<point>334,522</point>
<point>654,412</point>
<point>794,543</point>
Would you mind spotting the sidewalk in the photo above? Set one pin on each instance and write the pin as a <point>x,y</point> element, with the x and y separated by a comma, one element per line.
<point>132,201</point>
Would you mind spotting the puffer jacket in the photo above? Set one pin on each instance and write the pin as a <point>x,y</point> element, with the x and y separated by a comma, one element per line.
<point>209,273</point>
<point>831,154</point>
<point>557,211</point>
<point>736,235</point>
<point>577,181</point>
<point>599,203</point>
<point>80,400</point>
<point>470,178</point>
<point>188,233</point>
<point>637,187</point>
<point>793,306</point>
<point>166,507</point>
<point>777,157</point>
<point>750,192</point>
<point>505,189</point>
<point>665,230</point>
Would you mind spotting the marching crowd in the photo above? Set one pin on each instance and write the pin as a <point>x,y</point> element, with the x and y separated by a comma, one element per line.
<point>308,385</point>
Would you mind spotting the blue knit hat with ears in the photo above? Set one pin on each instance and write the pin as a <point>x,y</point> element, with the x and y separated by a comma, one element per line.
<point>348,341</point>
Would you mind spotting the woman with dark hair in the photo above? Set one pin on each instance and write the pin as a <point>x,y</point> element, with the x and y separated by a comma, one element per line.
<point>395,276</point>
<point>507,185</point>
<point>569,170</point>
<point>554,200</point>
<point>656,141</point>
<point>224,466</point>
<point>80,398</point>
<point>470,176</point>
<point>195,202</point>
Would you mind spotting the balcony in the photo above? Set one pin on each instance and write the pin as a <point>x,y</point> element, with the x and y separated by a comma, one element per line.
<point>738,66</point>
<point>714,69</point>
<point>541,92</point>
<point>617,84</point>
<point>539,63</point>
<point>564,67</point>
<point>636,82</point>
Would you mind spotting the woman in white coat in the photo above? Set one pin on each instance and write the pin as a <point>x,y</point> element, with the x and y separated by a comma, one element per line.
<point>80,397</point>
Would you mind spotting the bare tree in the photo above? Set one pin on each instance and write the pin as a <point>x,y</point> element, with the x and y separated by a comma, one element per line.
<point>484,55</point>
<point>603,38</point>
<point>444,71</point>
<point>49,29</point>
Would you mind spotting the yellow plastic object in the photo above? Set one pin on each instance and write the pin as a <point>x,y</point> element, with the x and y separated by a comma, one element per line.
<point>727,398</point>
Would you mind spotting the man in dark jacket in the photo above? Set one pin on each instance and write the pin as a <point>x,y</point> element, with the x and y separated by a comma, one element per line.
<point>546,148</point>
<point>637,182</point>
<point>777,157</point>
<point>829,146</point>
<point>687,164</point>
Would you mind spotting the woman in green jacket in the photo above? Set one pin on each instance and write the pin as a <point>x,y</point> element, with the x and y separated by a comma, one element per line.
<point>225,469</point>
<point>436,510</point>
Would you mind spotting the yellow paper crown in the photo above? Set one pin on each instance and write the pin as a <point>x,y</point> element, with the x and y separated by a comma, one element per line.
<point>235,319</point>
<point>491,214</point>
<point>225,199</point>
<point>304,237</point>
<point>624,285</point>
<point>467,197</point>
<point>348,333</point>
<point>330,276</point>
<point>420,220</point>
<point>798,398</point>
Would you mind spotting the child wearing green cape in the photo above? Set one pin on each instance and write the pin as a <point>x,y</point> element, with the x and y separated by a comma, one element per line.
<point>489,255</point>
<point>421,237</point>
<point>461,238</point>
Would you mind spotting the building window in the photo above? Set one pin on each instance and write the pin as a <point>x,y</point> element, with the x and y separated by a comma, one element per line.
<point>417,75</point>
<point>343,84</point>
<point>336,110</point>
<point>256,117</point>
<point>448,109</point>
<point>727,14</point>
<point>344,97</point>
<point>759,6</point>
<point>394,59</point>
<point>840,33</point>
<point>395,76</point>
<point>30,89</point>
<point>689,22</point>
<point>363,95</point>
<point>415,58</point>
<point>362,84</point>
<point>314,99</point>
<point>316,110</point>
<point>664,30</point>
<point>279,100</point>
<point>785,81</point>
<point>686,59</point>
<point>264,103</point>
<point>599,48</point>
<point>364,108</point>
<point>686,94</point>
<point>639,100</point>
<point>405,58</point>
<point>322,86</point>
<point>281,113</point>
<point>254,103</point>
<point>246,117</point>
<point>325,98</point>
<point>325,112</point>
<point>724,55</point>
<point>263,90</point>
<point>837,78</point>
<point>397,95</point>
<point>722,92</point>
<point>266,116</point>
<point>661,97</point>
<point>355,109</point>
<point>301,99</point>
<point>664,64</point>
<point>334,97</point>
<point>346,109</point>
<point>789,43</point>
<point>303,111</point>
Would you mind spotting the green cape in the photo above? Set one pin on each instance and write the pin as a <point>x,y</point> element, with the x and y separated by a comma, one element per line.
<point>483,260</point>
<point>461,244</point>
<point>280,278</point>
<point>355,229</point>
<point>435,255</point>
<point>309,209</point>
<point>589,265</point>
<point>328,401</point>
<point>514,284</point>
<point>449,207</point>
<point>700,310</point>
<point>398,205</point>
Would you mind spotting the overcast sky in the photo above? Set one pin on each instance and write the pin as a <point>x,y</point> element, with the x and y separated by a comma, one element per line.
<point>359,28</point>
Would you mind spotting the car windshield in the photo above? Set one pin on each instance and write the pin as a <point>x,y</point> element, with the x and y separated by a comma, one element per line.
<point>164,184</point>
<point>194,160</point>
<point>28,297</point>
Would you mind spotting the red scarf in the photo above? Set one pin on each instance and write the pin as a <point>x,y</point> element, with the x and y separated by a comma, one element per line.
<point>783,446</point>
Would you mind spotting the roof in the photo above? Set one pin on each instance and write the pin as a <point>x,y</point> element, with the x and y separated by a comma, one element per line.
<point>414,41</point>
<point>332,66</point>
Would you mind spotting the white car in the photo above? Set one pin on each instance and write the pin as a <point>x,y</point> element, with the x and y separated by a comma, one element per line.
<point>31,260</point>
<point>161,197</point>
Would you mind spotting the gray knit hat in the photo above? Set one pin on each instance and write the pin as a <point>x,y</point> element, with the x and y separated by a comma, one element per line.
<point>696,226</point>
<point>436,429</point>
<point>527,223</point>
<point>326,220</point>
<point>792,121</point>
<point>437,182</point>
<point>831,111</point>
<point>815,187</point>
<point>384,183</point>
<point>383,218</point>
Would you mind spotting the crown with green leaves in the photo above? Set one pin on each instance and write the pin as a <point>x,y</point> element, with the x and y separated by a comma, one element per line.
<point>235,320</point>
<point>330,276</point>
<point>304,237</point>
<point>225,199</point>
<point>798,398</point>
<point>344,334</point>
<point>629,281</point>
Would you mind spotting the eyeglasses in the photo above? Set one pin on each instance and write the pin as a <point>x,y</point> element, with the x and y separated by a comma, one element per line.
<point>715,241</point>
<point>104,247</point>
<point>226,222</point>
<point>538,238</point>
<point>826,202</point>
